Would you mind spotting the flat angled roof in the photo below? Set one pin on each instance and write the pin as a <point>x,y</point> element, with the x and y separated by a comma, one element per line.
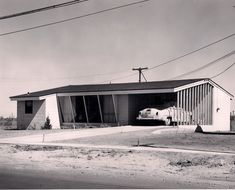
<point>168,84</point>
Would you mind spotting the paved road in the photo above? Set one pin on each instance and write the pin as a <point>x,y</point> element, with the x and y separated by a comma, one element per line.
<point>34,180</point>
<point>29,179</point>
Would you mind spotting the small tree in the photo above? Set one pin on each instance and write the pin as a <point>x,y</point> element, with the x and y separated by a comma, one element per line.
<point>47,124</point>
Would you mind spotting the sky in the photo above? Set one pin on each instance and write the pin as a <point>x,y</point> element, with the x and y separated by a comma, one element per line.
<point>104,48</point>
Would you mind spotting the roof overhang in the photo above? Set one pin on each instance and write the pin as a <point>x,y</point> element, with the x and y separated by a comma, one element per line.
<point>118,92</point>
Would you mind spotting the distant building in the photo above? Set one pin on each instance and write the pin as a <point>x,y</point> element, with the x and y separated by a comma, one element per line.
<point>119,104</point>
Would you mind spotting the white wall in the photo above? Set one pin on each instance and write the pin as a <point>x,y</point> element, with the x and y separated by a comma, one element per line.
<point>221,110</point>
<point>52,111</point>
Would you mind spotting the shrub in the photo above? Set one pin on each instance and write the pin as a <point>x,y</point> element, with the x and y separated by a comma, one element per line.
<point>47,124</point>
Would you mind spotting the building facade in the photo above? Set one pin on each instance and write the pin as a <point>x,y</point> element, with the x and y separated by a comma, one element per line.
<point>119,104</point>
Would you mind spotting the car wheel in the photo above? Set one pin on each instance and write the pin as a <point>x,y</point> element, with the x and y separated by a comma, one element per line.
<point>168,122</point>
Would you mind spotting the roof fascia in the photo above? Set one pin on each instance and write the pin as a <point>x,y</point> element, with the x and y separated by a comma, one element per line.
<point>23,98</point>
<point>190,85</point>
<point>117,92</point>
<point>218,86</point>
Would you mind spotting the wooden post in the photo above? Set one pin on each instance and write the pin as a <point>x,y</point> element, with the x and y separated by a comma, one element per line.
<point>71,107</point>
<point>177,105</point>
<point>84,102</point>
<point>190,105</point>
<point>203,111</point>
<point>181,98</point>
<point>198,104</point>
<point>193,106</point>
<point>101,116</point>
<point>115,110</point>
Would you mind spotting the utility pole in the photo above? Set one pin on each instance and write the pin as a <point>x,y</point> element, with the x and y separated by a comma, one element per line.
<point>140,72</point>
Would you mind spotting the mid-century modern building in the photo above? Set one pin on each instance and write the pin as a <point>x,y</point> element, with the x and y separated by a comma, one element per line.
<point>119,104</point>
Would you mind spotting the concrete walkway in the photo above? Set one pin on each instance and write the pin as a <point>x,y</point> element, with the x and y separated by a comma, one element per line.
<point>66,135</point>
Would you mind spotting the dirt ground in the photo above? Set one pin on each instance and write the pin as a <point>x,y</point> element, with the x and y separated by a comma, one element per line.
<point>145,169</point>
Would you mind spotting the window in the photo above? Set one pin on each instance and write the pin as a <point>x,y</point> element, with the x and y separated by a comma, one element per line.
<point>29,107</point>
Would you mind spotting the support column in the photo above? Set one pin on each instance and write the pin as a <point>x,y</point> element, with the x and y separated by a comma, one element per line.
<point>181,107</point>
<point>71,107</point>
<point>203,110</point>
<point>208,104</point>
<point>177,106</point>
<point>198,104</point>
<point>190,106</point>
<point>84,102</point>
<point>186,105</point>
<point>115,110</point>
<point>101,116</point>
<point>193,106</point>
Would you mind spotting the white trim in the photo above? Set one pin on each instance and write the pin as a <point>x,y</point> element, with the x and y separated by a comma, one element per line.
<point>190,85</point>
<point>25,98</point>
<point>32,98</point>
<point>117,92</point>
<point>218,86</point>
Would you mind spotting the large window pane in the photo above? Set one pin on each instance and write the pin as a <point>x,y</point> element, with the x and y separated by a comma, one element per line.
<point>93,109</point>
<point>79,109</point>
<point>107,109</point>
<point>65,108</point>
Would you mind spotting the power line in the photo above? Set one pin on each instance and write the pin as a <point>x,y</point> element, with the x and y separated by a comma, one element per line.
<point>223,71</point>
<point>126,76</point>
<point>68,78</point>
<point>73,18</point>
<point>205,66</point>
<point>198,69</point>
<point>42,9</point>
<point>194,51</point>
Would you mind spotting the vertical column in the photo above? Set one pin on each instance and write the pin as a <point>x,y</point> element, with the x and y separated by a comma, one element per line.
<point>183,106</point>
<point>201,106</point>
<point>84,102</point>
<point>203,111</point>
<point>71,107</point>
<point>115,110</point>
<point>198,103</point>
<point>208,104</point>
<point>101,116</point>
<point>190,106</point>
<point>180,108</point>
<point>177,105</point>
<point>186,106</point>
<point>193,105</point>
<point>204,104</point>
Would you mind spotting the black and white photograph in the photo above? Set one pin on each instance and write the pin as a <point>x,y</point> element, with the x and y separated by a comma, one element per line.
<point>117,94</point>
